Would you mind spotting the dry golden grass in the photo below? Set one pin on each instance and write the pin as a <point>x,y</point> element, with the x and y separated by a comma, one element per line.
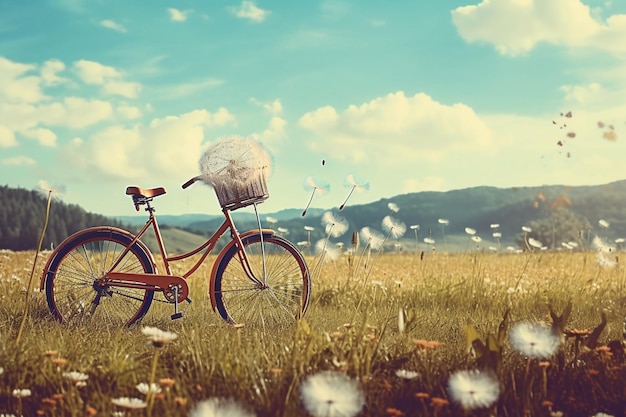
<point>351,326</point>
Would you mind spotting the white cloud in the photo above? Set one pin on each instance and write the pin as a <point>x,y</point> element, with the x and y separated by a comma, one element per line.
<point>515,27</point>
<point>128,112</point>
<point>167,147</point>
<point>397,128</point>
<point>275,132</point>
<point>186,89</point>
<point>75,112</point>
<point>49,72</point>
<point>18,161</point>
<point>16,86</point>
<point>45,137</point>
<point>275,107</point>
<point>7,137</point>
<point>110,24</point>
<point>248,10</point>
<point>177,15</point>
<point>428,183</point>
<point>95,73</point>
<point>92,72</point>
<point>122,88</point>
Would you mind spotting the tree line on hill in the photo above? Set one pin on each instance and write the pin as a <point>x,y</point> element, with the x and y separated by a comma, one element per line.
<point>556,215</point>
<point>22,216</point>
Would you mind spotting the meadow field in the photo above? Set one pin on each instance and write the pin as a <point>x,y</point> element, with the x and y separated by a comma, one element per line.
<point>405,335</point>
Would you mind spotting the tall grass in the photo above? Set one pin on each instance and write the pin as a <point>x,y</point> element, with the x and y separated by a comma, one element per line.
<point>351,328</point>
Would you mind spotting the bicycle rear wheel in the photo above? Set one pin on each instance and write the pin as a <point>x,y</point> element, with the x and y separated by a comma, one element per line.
<point>280,298</point>
<point>73,291</point>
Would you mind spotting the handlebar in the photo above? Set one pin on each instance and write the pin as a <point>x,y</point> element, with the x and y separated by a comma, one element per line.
<point>191,181</point>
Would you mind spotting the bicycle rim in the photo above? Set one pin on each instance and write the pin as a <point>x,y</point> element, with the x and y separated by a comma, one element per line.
<point>284,294</point>
<point>72,289</point>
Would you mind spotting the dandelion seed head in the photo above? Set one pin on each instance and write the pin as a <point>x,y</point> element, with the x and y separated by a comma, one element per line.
<point>443,222</point>
<point>414,227</point>
<point>373,237</point>
<point>470,231</point>
<point>605,261</point>
<point>283,230</point>
<point>600,246</point>
<point>235,160</point>
<point>331,252</point>
<point>429,240</point>
<point>48,190</point>
<point>534,340</point>
<point>271,220</point>
<point>219,407</point>
<point>394,227</point>
<point>393,207</point>
<point>477,239</point>
<point>473,389</point>
<point>335,225</point>
<point>494,225</point>
<point>331,394</point>
<point>535,243</point>
<point>496,235</point>
<point>526,229</point>
<point>603,223</point>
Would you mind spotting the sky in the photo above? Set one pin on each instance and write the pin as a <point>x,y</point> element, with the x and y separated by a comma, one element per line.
<point>400,96</point>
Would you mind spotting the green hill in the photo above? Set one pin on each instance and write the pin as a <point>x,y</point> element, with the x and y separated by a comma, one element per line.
<point>570,212</point>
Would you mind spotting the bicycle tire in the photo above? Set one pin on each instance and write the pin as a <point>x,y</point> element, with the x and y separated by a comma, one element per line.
<point>286,295</point>
<point>72,291</point>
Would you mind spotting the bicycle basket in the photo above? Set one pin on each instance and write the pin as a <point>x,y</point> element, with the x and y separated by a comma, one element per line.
<point>237,169</point>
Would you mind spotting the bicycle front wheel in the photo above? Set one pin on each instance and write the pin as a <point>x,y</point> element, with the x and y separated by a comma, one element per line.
<point>73,288</point>
<point>279,295</point>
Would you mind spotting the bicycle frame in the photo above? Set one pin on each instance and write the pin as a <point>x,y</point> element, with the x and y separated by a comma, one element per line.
<point>175,288</point>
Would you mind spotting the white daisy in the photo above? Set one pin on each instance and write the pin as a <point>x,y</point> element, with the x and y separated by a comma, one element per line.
<point>331,394</point>
<point>21,393</point>
<point>75,377</point>
<point>158,337</point>
<point>145,388</point>
<point>131,403</point>
<point>406,374</point>
<point>473,389</point>
<point>534,340</point>
<point>219,407</point>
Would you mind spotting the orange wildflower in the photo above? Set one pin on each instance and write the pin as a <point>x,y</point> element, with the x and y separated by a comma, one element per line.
<point>426,344</point>
<point>394,412</point>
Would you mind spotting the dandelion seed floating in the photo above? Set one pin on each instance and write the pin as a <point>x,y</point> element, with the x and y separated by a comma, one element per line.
<point>219,407</point>
<point>331,393</point>
<point>473,389</point>
<point>393,207</point>
<point>394,227</point>
<point>354,184</point>
<point>335,226</point>
<point>316,186</point>
<point>534,340</point>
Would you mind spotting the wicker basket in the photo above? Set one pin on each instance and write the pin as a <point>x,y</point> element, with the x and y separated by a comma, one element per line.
<point>234,194</point>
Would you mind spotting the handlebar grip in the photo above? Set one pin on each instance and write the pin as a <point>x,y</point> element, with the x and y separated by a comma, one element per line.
<point>191,181</point>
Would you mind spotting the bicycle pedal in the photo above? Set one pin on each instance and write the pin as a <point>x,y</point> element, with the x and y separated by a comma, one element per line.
<point>176,316</point>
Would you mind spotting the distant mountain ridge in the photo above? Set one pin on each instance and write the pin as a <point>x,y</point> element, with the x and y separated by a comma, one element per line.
<point>478,208</point>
